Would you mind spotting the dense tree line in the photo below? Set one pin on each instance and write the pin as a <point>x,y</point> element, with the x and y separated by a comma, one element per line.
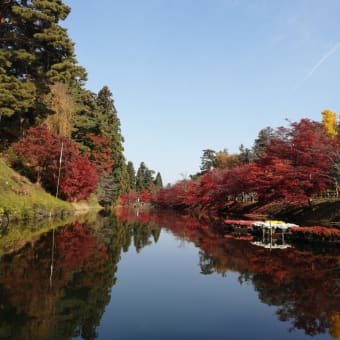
<point>44,103</point>
<point>289,165</point>
<point>145,184</point>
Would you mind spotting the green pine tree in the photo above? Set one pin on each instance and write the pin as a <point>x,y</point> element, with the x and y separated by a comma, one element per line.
<point>144,178</point>
<point>110,126</point>
<point>86,119</point>
<point>132,176</point>
<point>262,141</point>
<point>35,52</point>
<point>208,160</point>
<point>158,181</point>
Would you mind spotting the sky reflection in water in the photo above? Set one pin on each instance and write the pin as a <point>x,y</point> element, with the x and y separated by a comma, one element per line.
<point>126,278</point>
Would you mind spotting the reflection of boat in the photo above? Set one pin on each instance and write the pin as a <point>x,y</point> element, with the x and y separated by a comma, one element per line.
<point>272,231</point>
<point>268,224</point>
<point>270,245</point>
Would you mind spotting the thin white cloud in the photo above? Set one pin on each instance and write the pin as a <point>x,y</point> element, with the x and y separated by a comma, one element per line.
<point>317,65</point>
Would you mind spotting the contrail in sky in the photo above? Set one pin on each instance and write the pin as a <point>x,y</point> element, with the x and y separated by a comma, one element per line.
<point>317,65</point>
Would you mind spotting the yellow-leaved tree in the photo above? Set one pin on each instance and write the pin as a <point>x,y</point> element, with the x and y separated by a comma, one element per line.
<point>224,160</point>
<point>329,120</point>
<point>59,101</point>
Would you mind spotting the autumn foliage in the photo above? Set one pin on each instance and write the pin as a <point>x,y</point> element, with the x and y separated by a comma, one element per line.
<point>300,284</point>
<point>298,163</point>
<point>316,232</point>
<point>39,152</point>
<point>76,246</point>
<point>132,197</point>
<point>100,152</point>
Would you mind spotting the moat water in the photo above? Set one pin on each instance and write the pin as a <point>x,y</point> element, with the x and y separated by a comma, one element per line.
<point>164,276</point>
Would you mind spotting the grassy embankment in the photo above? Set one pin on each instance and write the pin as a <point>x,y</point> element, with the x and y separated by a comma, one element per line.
<point>30,210</point>
<point>23,200</point>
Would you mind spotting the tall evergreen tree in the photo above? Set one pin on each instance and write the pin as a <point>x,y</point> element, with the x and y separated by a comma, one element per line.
<point>35,51</point>
<point>208,160</point>
<point>158,181</point>
<point>86,119</point>
<point>105,190</point>
<point>132,176</point>
<point>144,178</point>
<point>96,119</point>
<point>110,126</point>
<point>140,185</point>
<point>245,155</point>
<point>262,141</point>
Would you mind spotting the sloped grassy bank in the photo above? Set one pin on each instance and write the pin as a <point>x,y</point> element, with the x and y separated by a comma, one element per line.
<point>22,200</point>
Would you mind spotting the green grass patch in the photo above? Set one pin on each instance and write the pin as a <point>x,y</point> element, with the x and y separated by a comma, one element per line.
<point>23,200</point>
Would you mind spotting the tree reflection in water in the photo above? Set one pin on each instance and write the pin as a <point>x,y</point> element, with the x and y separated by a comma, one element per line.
<point>303,284</point>
<point>85,262</point>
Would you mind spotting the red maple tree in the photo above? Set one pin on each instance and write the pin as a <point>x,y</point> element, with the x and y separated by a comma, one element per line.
<point>40,152</point>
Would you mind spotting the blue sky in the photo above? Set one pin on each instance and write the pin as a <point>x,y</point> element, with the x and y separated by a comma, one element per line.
<point>188,75</point>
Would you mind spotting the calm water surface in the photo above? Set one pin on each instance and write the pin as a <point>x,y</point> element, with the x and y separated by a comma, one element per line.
<point>164,276</point>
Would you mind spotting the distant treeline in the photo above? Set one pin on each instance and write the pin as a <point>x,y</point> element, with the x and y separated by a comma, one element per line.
<point>287,165</point>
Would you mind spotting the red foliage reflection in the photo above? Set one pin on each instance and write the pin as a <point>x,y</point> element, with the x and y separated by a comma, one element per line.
<point>76,245</point>
<point>302,284</point>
